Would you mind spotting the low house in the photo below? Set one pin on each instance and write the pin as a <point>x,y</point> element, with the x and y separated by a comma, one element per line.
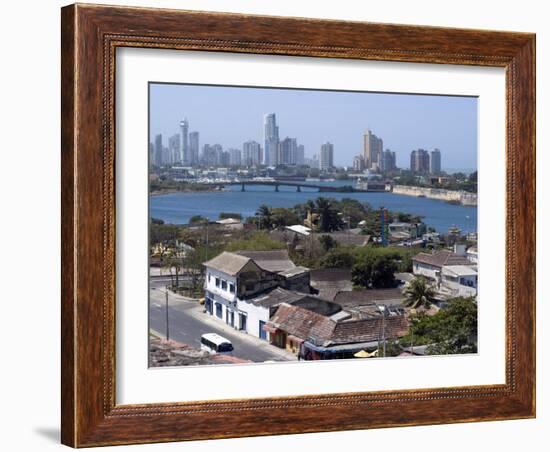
<point>471,254</point>
<point>458,281</point>
<point>290,276</point>
<point>314,336</point>
<point>299,229</point>
<point>231,223</point>
<point>327,282</point>
<point>261,308</point>
<point>430,265</point>
<point>368,302</point>
<point>402,231</point>
<point>346,238</point>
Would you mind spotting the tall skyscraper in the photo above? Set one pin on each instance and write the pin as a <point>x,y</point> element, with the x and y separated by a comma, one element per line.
<point>158,150</point>
<point>235,157</point>
<point>225,158</point>
<point>326,160</point>
<point>252,153</point>
<point>372,150</point>
<point>184,131</point>
<point>288,149</point>
<point>358,163</point>
<point>300,154</point>
<point>194,147</point>
<point>420,161</point>
<point>435,161</point>
<point>151,154</point>
<point>387,161</point>
<point>271,140</point>
<point>174,147</point>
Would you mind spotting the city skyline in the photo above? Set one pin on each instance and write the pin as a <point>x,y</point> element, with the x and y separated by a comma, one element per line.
<point>314,117</point>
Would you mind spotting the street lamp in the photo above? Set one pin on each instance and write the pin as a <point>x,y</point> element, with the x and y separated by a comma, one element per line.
<point>382,308</point>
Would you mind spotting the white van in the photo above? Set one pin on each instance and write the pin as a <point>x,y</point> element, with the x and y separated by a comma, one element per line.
<point>214,343</point>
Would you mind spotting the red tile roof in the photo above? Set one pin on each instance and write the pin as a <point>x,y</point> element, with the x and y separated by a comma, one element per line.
<point>321,330</point>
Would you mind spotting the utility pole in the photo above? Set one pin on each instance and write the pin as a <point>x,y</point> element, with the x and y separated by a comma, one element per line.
<point>167,324</point>
<point>382,308</point>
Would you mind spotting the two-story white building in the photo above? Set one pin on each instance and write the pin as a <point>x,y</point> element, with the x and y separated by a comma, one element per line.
<point>452,275</point>
<point>243,288</point>
<point>459,281</point>
<point>429,265</point>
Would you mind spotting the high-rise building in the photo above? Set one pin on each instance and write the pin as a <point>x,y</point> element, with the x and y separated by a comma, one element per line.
<point>288,148</point>
<point>194,148</point>
<point>158,150</point>
<point>387,162</point>
<point>235,157</point>
<point>358,163</point>
<point>184,131</point>
<point>174,147</point>
<point>252,153</point>
<point>372,150</point>
<point>435,161</point>
<point>300,154</point>
<point>166,156</point>
<point>420,161</point>
<point>326,160</point>
<point>151,154</point>
<point>225,158</point>
<point>218,154</point>
<point>271,140</point>
<point>212,155</point>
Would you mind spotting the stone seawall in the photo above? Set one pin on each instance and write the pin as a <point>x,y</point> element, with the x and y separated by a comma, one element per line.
<point>462,197</point>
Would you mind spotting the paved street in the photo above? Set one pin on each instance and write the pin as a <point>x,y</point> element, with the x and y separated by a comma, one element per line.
<point>187,323</point>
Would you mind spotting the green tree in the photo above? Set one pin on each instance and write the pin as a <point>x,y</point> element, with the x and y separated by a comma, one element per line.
<point>281,217</point>
<point>374,271</point>
<point>327,242</point>
<point>265,217</point>
<point>198,219</point>
<point>419,293</point>
<point>340,257</point>
<point>453,330</point>
<point>174,266</point>
<point>328,216</point>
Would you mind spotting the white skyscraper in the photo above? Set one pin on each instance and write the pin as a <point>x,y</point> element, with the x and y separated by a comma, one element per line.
<point>235,157</point>
<point>372,150</point>
<point>326,160</point>
<point>194,148</point>
<point>271,140</point>
<point>252,153</point>
<point>184,142</point>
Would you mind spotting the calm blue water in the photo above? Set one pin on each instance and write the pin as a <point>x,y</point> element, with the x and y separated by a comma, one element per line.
<point>178,208</point>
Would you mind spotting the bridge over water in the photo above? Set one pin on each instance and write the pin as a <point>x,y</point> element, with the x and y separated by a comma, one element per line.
<point>298,185</point>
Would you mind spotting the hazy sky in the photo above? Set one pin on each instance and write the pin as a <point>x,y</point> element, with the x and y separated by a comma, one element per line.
<point>232,115</point>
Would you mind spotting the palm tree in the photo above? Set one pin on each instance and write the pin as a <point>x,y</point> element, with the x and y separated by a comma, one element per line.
<point>329,220</point>
<point>266,216</point>
<point>419,293</point>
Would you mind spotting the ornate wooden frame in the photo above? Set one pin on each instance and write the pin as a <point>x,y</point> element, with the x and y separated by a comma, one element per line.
<point>90,35</point>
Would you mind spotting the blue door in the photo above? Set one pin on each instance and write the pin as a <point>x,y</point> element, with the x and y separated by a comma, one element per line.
<point>263,334</point>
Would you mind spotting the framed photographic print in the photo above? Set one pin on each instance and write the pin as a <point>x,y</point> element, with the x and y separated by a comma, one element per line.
<point>281,225</point>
